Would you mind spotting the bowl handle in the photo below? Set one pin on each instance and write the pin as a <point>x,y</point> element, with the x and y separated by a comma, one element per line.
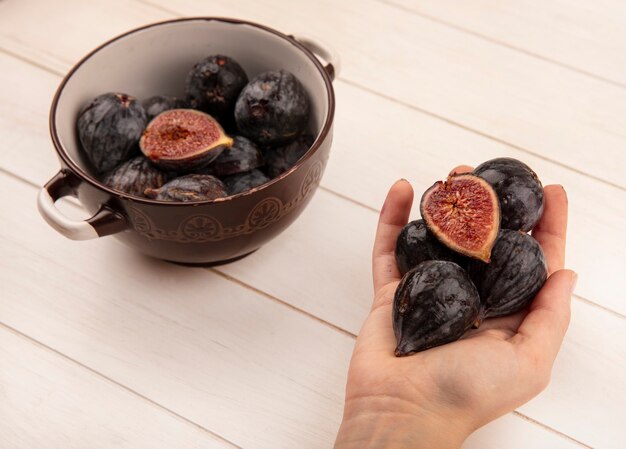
<point>318,47</point>
<point>104,222</point>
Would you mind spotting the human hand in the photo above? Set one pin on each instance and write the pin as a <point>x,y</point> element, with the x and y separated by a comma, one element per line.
<point>436,398</point>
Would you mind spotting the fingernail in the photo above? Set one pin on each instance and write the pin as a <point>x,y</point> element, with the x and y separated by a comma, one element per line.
<point>402,180</point>
<point>573,281</point>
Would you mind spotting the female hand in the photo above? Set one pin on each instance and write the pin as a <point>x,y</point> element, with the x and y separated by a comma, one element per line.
<point>436,398</point>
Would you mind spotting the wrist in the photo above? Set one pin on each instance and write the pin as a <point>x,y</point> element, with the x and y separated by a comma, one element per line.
<point>383,423</point>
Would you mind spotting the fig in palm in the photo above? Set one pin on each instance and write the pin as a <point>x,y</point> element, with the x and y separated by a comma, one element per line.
<point>519,191</point>
<point>514,276</point>
<point>416,244</point>
<point>435,303</point>
<point>463,213</point>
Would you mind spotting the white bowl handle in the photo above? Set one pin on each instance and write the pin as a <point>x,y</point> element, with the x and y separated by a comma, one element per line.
<point>104,222</point>
<point>320,48</point>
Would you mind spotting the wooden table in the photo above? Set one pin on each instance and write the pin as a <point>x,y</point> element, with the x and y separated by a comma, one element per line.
<point>103,348</point>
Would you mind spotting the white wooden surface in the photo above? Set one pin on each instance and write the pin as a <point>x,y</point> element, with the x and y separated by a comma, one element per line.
<point>101,347</point>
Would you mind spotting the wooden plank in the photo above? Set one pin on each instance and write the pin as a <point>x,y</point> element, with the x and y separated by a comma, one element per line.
<point>585,35</point>
<point>251,370</point>
<point>48,402</point>
<point>422,150</point>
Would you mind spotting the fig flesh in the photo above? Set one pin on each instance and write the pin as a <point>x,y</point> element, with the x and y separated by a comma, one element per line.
<point>519,190</point>
<point>135,176</point>
<point>435,303</point>
<point>109,128</point>
<point>464,214</point>
<point>416,244</point>
<point>183,140</point>
<point>189,188</point>
<point>273,108</point>
<point>514,276</point>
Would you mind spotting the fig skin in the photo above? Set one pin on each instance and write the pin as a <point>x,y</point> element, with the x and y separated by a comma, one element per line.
<point>158,103</point>
<point>514,276</point>
<point>183,140</point>
<point>109,128</point>
<point>242,157</point>
<point>463,213</point>
<point>416,244</point>
<point>213,85</point>
<point>435,303</point>
<point>135,176</point>
<point>189,188</point>
<point>519,190</point>
<point>280,159</point>
<point>273,108</point>
<point>243,182</point>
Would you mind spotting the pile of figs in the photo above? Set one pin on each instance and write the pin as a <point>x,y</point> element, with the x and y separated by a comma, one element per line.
<point>228,135</point>
<point>470,256</point>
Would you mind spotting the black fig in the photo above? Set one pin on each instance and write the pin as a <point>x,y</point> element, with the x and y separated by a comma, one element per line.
<point>135,176</point>
<point>519,190</point>
<point>243,156</point>
<point>109,128</point>
<point>464,214</point>
<point>244,181</point>
<point>183,140</point>
<point>189,188</point>
<point>435,303</point>
<point>280,159</point>
<point>273,108</point>
<point>214,84</point>
<point>511,280</point>
<point>157,104</point>
<point>416,244</point>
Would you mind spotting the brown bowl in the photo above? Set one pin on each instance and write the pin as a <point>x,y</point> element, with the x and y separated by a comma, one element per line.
<point>154,60</point>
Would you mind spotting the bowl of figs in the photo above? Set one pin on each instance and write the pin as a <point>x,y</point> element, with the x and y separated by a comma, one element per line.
<point>194,140</point>
<point>470,256</point>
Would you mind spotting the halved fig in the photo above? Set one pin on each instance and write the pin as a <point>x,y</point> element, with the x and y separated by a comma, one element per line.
<point>463,212</point>
<point>183,140</point>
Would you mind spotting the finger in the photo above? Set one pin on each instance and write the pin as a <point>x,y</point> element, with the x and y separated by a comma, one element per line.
<point>551,229</point>
<point>393,216</point>
<point>461,169</point>
<point>541,333</point>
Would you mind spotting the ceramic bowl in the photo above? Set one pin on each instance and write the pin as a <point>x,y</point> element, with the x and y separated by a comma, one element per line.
<point>154,60</point>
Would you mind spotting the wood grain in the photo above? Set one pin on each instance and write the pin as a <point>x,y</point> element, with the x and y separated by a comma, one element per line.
<point>584,35</point>
<point>421,149</point>
<point>49,402</point>
<point>186,338</point>
<point>546,109</point>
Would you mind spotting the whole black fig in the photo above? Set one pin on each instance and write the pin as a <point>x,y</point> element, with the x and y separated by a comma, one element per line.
<point>243,182</point>
<point>189,188</point>
<point>416,244</point>
<point>109,128</point>
<point>435,303</point>
<point>135,176</point>
<point>511,280</point>
<point>213,85</point>
<point>519,190</point>
<point>273,108</point>
<point>242,157</point>
<point>280,159</point>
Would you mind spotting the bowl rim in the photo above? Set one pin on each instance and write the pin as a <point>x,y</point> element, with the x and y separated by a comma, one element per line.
<point>86,177</point>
